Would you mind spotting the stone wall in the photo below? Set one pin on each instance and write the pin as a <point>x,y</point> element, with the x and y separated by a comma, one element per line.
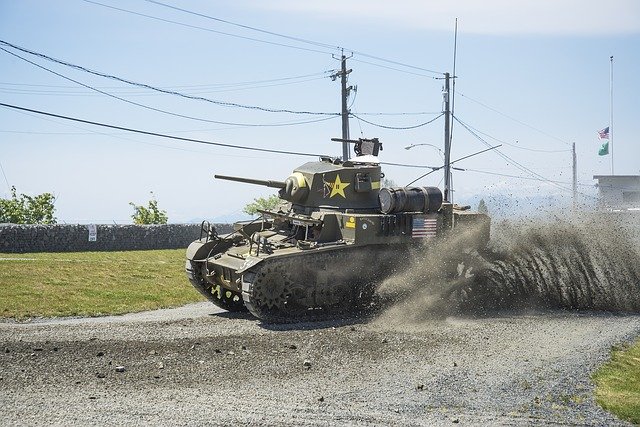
<point>75,238</point>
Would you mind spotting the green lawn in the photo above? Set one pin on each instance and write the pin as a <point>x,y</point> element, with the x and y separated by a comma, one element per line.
<point>92,283</point>
<point>618,383</point>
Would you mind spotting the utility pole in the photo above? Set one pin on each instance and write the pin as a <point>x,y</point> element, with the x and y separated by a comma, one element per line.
<point>343,73</point>
<point>575,177</point>
<point>447,140</point>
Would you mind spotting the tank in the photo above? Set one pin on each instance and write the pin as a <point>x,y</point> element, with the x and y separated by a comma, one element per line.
<point>336,236</point>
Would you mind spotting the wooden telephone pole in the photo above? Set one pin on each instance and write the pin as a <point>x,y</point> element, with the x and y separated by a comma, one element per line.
<point>344,94</point>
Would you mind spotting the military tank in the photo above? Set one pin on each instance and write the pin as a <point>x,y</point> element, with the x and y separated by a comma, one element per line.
<point>335,237</point>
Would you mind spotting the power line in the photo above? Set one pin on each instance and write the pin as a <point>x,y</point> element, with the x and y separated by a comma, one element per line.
<point>392,68</point>
<point>271,33</point>
<point>417,113</point>
<point>509,159</point>
<point>518,165</point>
<point>517,146</point>
<point>200,86</point>
<point>118,136</point>
<point>71,91</point>
<point>514,119</point>
<point>5,177</point>
<point>535,179</point>
<point>165,111</point>
<point>398,127</point>
<point>531,178</point>
<point>156,134</point>
<point>206,29</point>
<point>146,86</point>
<point>198,141</point>
<point>247,27</point>
<point>298,39</point>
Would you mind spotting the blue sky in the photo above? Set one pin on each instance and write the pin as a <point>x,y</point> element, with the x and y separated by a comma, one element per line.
<point>533,74</point>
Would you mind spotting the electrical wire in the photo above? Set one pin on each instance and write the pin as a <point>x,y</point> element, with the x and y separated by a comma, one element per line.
<point>165,111</point>
<point>509,159</point>
<point>298,39</point>
<point>398,127</point>
<point>514,119</point>
<point>246,27</point>
<point>200,86</point>
<point>5,176</point>
<point>157,134</point>
<point>206,29</point>
<point>119,136</point>
<point>531,178</point>
<point>134,92</point>
<point>161,135</point>
<point>146,86</point>
<point>517,146</point>
<point>452,162</point>
<point>417,113</point>
<point>411,166</point>
<point>392,68</point>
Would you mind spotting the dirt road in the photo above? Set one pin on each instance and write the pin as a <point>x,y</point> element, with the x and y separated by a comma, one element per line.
<point>201,366</point>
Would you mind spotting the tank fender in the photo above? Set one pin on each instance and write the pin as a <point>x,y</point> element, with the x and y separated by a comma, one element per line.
<point>249,262</point>
<point>199,250</point>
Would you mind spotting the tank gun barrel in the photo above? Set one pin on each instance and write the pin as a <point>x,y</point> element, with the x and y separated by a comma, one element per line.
<point>263,182</point>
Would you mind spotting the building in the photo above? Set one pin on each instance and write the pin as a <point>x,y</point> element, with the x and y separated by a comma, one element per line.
<point>619,191</point>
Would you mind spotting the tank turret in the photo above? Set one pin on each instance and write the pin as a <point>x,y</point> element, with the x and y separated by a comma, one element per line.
<point>328,184</point>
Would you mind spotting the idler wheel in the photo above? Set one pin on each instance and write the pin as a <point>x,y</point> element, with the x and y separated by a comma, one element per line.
<point>229,300</point>
<point>221,297</point>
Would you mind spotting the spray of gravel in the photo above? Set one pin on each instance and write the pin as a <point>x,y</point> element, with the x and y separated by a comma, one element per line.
<point>587,263</point>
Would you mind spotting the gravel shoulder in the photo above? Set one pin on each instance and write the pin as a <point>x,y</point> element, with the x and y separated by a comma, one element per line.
<point>197,365</point>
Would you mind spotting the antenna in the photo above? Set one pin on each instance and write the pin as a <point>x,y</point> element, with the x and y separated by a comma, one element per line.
<point>453,98</point>
<point>453,85</point>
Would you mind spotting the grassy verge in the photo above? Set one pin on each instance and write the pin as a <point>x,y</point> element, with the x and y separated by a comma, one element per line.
<point>618,383</point>
<point>92,283</point>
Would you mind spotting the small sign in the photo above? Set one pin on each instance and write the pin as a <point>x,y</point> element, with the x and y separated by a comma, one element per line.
<point>93,232</point>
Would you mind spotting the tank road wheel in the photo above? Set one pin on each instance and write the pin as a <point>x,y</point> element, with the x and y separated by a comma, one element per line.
<point>219,296</point>
<point>270,294</point>
<point>229,300</point>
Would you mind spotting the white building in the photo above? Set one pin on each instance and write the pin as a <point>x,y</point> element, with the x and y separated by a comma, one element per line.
<point>619,191</point>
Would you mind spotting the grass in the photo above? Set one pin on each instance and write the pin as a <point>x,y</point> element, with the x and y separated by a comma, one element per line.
<point>92,283</point>
<point>618,383</point>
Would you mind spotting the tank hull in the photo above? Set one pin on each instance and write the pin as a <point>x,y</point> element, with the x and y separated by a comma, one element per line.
<point>279,278</point>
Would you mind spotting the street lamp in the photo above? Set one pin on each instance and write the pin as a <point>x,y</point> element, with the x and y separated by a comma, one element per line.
<point>409,147</point>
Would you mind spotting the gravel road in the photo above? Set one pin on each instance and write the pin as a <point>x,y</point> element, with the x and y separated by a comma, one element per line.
<point>197,365</point>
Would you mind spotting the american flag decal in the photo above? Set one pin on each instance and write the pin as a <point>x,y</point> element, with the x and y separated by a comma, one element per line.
<point>424,227</point>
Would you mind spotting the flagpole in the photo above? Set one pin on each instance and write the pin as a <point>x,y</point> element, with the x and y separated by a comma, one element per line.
<point>611,114</point>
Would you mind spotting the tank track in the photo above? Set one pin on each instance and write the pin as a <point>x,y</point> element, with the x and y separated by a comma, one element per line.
<point>316,285</point>
<point>221,297</point>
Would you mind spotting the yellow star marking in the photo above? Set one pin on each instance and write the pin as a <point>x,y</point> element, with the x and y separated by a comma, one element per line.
<point>338,187</point>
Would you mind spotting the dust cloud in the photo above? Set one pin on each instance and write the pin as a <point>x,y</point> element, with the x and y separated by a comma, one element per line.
<point>580,263</point>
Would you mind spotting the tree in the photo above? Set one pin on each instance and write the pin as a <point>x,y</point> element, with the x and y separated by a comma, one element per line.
<point>263,203</point>
<point>25,209</point>
<point>482,207</point>
<point>149,215</point>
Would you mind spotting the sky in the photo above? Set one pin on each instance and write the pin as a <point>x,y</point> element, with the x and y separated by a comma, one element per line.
<point>533,76</point>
